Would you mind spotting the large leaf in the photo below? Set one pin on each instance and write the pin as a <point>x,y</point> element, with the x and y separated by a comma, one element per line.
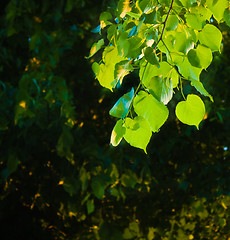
<point>200,57</point>
<point>117,133</point>
<point>191,111</point>
<point>217,7</point>
<point>151,109</point>
<point>121,107</point>
<point>138,132</point>
<point>211,37</point>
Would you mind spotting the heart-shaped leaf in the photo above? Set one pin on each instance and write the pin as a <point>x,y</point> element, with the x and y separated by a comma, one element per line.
<point>191,111</point>
<point>138,132</point>
<point>117,133</point>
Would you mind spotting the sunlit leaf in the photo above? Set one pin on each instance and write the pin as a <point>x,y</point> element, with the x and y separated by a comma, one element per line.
<point>117,133</point>
<point>96,47</point>
<point>155,112</point>
<point>122,69</point>
<point>138,132</point>
<point>121,107</point>
<point>150,56</point>
<point>171,23</point>
<point>211,37</point>
<point>191,111</point>
<point>200,57</point>
<point>124,7</point>
<point>104,17</point>
<point>217,7</point>
<point>200,88</point>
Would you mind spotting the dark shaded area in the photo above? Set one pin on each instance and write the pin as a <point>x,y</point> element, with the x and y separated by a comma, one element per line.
<point>60,178</point>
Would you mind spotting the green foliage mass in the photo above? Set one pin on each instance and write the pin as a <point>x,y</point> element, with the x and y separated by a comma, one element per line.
<point>59,177</point>
<point>169,42</point>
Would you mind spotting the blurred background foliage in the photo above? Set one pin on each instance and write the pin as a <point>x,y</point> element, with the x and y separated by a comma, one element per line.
<point>60,178</point>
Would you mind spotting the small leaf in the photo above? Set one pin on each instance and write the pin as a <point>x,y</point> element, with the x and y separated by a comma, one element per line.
<point>96,47</point>
<point>133,15</point>
<point>121,107</point>
<point>122,69</point>
<point>117,133</point>
<point>191,111</point>
<point>97,188</point>
<point>104,17</point>
<point>138,132</point>
<point>151,109</point>
<point>211,37</point>
<point>151,56</point>
<point>90,206</point>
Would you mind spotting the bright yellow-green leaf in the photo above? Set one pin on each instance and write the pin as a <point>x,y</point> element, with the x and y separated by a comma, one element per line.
<point>200,88</point>
<point>105,75</point>
<point>138,132</point>
<point>147,106</point>
<point>191,111</point>
<point>211,37</point>
<point>117,133</point>
<point>200,57</point>
<point>217,7</point>
<point>171,23</point>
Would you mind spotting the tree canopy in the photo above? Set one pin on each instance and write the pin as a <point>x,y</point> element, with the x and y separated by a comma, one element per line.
<point>60,178</point>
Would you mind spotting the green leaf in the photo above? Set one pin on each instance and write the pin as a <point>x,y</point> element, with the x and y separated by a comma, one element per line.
<point>151,56</point>
<point>90,206</point>
<point>123,44</point>
<point>211,37</point>
<point>117,133</point>
<point>104,17</point>
<point>217,7</point>
<point>97,187</point>
<point>147,5</point>
<point>188,3</point>
<point>151,109</point>
<point>12,163</point>
<point>200,88</point>
<point>227,16</point>
<point>187,70</point>
<point>191,111</point>
<point>122,69</point>
<point>200,57</point>
<point>171,23</point>
<point>124,7</point>
<point>121,107</point>
<point>105,74</point>
<point>133,15</point>
<point>197,17</point>
<point>129,179</point>
<point>96,47</point>
<point>138,132</point>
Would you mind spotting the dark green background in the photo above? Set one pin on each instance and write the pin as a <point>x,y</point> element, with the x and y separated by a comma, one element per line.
<point>60,178</point>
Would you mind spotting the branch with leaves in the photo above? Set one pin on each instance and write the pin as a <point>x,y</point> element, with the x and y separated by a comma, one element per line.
<point>166,41</point>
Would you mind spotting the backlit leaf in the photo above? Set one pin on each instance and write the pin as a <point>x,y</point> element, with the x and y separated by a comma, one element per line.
<point>211,37</point>
<point>191,111</point>
<point>138,132</point>
<point>122,69</point>
<point>200,57</point>
<point>124,7</point>
<point>217,7</point>
<point>150,56</point>
<point>117,133</point>
<point>155,112</point>
<point>200,88</point>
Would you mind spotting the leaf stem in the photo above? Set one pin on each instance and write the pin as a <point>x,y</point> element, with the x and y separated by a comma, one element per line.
<point>164,24</point>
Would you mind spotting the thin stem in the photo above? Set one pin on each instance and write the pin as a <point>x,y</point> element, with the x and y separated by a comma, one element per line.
<point>164,24</point>
<point>181,89</point>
